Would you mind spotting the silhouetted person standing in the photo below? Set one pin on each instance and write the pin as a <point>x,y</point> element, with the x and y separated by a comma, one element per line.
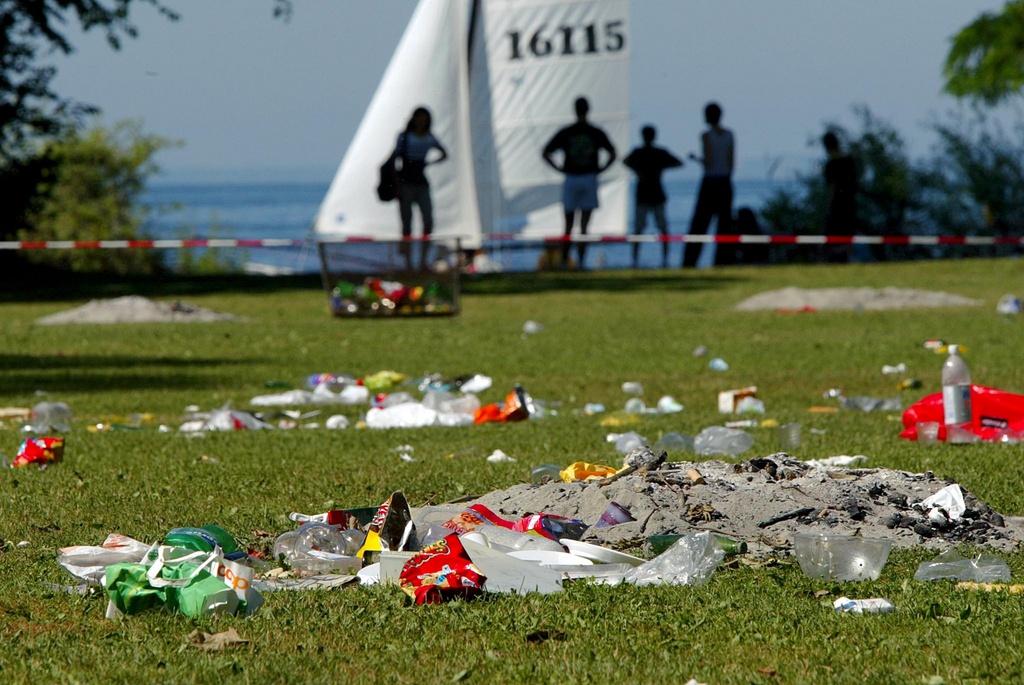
<point>580,145</point>
<point>412,149</point>
<point>841,181</point>
<point>714,200</point>
<point>648,162</point>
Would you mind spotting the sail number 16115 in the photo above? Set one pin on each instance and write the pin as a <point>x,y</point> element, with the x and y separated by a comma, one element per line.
<point>590,39</point>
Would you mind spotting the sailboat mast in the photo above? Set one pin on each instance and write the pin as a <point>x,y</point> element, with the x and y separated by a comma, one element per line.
<point>474,15</point>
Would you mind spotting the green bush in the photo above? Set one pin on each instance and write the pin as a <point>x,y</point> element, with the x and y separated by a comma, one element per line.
<point>88,186</point>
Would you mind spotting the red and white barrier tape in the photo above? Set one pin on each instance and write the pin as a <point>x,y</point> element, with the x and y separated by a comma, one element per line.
<point>498,238</point>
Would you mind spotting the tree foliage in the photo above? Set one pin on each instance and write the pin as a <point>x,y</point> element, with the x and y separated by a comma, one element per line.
<point>30,31</point>
<point>986,58</point>
<point>88,187</point>
<point>889,187</point>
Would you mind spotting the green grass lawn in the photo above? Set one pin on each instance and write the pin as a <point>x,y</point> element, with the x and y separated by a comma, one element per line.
<point>746,625</point>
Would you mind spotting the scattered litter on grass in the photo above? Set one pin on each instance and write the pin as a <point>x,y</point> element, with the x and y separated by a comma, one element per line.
<point>845,605</point>
<point>668,405</point>
<point>499,457</point>
<point>336,422</point>
<point>626,442</point>
<point>532,327</point>
<point>851,299</point>
<point>719,440</point>
<point>828,556</point>
<point>40,451</point>
<point>49,417</point>
<point>718,364</point>
<point>223,419</point>
<point>1009,305</point>
<point>592,408</point>
<point>894,369</point>
<point>633,388</point>
<point>700,351</point>
<point>216,642</point>
<point>133,309</point>
<point>983,568</point>
<point>844,461</point>
<point>870,404</point>
<point>728,400</point>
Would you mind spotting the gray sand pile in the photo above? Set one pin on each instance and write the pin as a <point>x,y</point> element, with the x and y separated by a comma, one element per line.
<point>765,501</point>
<point>133,309</point>
<point>852,299</point>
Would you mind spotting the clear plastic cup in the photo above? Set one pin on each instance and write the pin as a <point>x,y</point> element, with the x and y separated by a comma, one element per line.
<point>927,432</point>
<point>841,557</point>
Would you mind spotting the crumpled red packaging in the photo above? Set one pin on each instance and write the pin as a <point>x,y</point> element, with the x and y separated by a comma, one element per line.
<point>473,517</point>
<point>391,520</point>
<point>515,408</point>
<point>441,571</point>
<point>40,451</point>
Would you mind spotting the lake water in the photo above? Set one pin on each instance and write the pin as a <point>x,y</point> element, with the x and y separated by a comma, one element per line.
<point>286,210</point>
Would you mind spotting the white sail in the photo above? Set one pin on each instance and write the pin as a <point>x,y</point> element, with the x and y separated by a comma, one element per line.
<point>429,68</point>
<point>495,106</point>
<point>530,60</point>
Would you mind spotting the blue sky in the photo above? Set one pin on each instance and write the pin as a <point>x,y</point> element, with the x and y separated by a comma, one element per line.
<point>242,91</point>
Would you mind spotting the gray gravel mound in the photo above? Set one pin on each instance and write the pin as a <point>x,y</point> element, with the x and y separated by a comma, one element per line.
<point>747,500</point>
<point>133,309</point>
<point>876,299</point>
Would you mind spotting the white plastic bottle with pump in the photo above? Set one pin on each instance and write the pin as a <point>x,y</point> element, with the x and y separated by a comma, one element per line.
<point>956,389</point>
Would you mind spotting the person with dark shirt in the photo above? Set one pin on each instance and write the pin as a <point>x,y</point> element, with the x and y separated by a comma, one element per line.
<point>841,181</point>
<point>414,145</point>
<point>580,145</point>
<point>841,184</point>
<point>714,199</point>
<point>648,162</point>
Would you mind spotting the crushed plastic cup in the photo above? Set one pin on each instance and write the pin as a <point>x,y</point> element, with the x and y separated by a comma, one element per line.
<point>750,405</point>
<point>875,605</point>
<point>613,515</point>
<point>789,436</point>
<point>336,422</point>
<point>675,442</point>
<point>633,388</point>
<point>1009,305</point>
<point>626,442</point>
<point>635,405</point>
<point>690,561</point>
<point>828,556</point>
<point>984,568</point>
<point>669,405</point>
<point>499,457</point>
<point>49,417</point>
<point>545,473</point>
<point>718,364</point>
<point>928,432</point>
<point>870,404</point>
<point>894,369</point>
<point>718,440</point>
<point>532,328</point>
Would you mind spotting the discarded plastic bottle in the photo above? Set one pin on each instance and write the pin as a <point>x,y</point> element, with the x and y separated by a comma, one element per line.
<point>956,389</point>
<point>50,416</point>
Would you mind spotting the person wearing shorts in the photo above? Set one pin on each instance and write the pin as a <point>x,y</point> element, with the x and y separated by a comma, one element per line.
<point>580,146</point>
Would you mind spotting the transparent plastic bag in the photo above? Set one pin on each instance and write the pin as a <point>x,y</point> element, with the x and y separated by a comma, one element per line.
<point>690,561</point>
<point>983,568</point>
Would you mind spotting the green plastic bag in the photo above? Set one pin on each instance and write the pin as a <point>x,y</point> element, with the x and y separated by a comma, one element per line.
<point>172,578</point>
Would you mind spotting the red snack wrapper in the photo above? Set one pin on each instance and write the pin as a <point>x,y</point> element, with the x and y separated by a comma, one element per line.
<point>391,519</point>
<point>39,451</point>
<point>440,572</point>
<point>515,408</point>
<point>474,517</point>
